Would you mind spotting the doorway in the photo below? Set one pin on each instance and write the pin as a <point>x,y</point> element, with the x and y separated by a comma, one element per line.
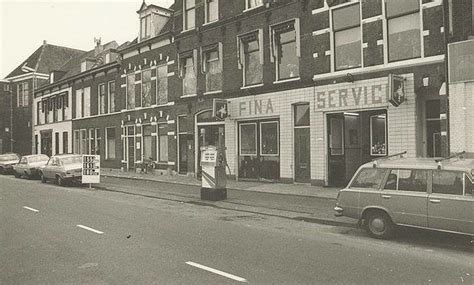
<point>302,143</point>
<point>186,153</point>
<point>259,150</point>
<point>354,138</point>
<point>433,128</point>
<point>46,142</point>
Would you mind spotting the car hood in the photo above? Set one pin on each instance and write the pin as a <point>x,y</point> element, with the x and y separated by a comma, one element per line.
<point>73,166</point>
<point>9,162</point>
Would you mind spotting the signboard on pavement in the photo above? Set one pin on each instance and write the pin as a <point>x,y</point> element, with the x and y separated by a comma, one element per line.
<point>90,169</point>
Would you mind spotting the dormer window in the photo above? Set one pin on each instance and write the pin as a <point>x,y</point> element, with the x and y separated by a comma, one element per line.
<point>145,24</point>
<point>189,14</point>
<point>249,4</point>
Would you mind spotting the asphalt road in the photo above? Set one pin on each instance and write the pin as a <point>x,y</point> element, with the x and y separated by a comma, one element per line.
<point>57,235</point>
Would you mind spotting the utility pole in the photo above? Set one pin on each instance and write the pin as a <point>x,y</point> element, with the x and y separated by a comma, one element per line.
<point>11,117</point>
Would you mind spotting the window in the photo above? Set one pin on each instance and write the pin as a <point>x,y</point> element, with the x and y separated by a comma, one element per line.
<point>87,102</point>
<point>98,138</point>
<point>251,58</point>
<point>378,135</point>
<point>212,67</point>
<point>77,142</point>
<point>101,95</point>
<point>189,76</point>
<point>347,37</point>
<point>269,138</point>
<point>248,139</point>
<point>403,26</point>
<point>92,142</point>
<point>111,97</point>
<point>65,143</point>
<point>22,94</point>
<point>38,113</point>
<point>469,185</point>
<point>212,10</point>
<point>145,27</point>
<point>56,143</point>
<point>110,143</point>
<point>131,91</point>
<point>162,84</point>
<point>301,115</point>
<point>65,105</point>
<point>163,142</point>
<point>189,14</point>
<point>369,178</point>
<point>148,153</point>
<point>83,142</point>
<point>146,88</point>
<point>407,180</point>
<point>448,182</point>
<point>286,50</point>
<point>249,4</point>
<point>79,97</point>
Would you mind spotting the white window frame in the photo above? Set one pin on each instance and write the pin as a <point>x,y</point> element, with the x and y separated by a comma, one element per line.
<point>182,73</point>
<point>107,142</point>
<point>274,48</point>
<point>206,11</point>
<point>109,109</point>
<point>99,103</point>
<point>141,88</point>
<point>158,144</point>
<point>241,54</point>
<point>240,139</point>
<point>147,34</point>
<point>278,138</point>
<point>185,19</point>
<point>249,6</point>
<point>205,61</point>
<point>157,94</point>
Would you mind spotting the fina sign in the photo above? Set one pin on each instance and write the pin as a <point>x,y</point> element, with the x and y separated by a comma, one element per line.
<point>220,109</point>
<point>396,87</point>
<point>90,169</point>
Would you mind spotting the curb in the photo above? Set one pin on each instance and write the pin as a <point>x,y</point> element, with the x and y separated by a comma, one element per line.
<point>235,189</point>
<point>195,202</point>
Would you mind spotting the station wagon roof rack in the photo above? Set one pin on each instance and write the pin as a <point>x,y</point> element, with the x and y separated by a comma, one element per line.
<point>400,154</point>
<point>455,155</point>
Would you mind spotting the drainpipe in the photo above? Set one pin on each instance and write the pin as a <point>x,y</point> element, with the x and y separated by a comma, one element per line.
<point>11,118</point>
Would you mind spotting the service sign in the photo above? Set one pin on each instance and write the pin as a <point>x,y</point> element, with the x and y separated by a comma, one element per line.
<point>219,109</point>
<point>90,169</point>
<point>397,90</point>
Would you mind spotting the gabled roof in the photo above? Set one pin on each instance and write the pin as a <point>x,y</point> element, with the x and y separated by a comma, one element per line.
<point>46,59</point>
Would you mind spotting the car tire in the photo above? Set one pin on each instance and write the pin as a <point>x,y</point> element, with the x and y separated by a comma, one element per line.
<point>16,174</point>
<point>379,225</point>
<point>59,180</point>
<point>27,176</point>
<point>43,179</point>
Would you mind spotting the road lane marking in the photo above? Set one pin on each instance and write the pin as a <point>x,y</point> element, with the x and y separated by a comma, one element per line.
<point>31,209</point>
<point>90,229</point>
<point>222,273</point>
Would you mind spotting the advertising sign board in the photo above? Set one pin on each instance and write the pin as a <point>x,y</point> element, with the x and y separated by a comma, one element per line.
<point>90,169</point>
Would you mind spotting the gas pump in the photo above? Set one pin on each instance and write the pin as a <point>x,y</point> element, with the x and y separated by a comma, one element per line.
<point>214,180</point>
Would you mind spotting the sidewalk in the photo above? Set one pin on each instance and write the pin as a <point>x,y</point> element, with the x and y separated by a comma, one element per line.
<point>266,187</point>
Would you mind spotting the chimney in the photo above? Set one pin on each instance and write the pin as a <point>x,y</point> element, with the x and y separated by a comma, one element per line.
<point>98,46</point>
<point>44,42</point>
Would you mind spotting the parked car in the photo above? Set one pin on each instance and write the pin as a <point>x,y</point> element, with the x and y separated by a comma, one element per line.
<point>30,165</point>
<point>7,161</point>
<point>423,193</point>
<point>62,168</point>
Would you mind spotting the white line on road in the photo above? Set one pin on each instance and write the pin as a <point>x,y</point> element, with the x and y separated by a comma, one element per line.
<point>31,209</point>
<point>222,273</point>
<point>90,229</point>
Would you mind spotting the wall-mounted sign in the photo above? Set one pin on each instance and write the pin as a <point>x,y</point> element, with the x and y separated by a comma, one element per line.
<point>256,107</point>
<point>90,169</point>
<point>351,97</point>
<point>396,87</point>
<point>219,109</point>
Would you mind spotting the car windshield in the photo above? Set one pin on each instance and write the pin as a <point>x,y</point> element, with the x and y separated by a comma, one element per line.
<point>71,160</point>
<point>6,157</point>
<point>38,158</point>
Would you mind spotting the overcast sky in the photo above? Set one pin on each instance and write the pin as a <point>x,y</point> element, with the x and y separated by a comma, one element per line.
<point>24,24</point>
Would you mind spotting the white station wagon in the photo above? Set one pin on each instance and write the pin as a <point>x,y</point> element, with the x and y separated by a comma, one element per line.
<point>420,192</point>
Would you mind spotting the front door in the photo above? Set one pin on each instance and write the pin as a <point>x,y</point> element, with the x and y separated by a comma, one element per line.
<point>336,158</point>
<point>183,153</point>
<point>448,208</point>
<point>131,152</point>
<point>302,155</point>
<point>46,143</point>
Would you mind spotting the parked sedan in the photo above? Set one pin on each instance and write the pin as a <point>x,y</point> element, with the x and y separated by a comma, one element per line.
<point>7,161</point>
<point>62,168</point>
<point>30,165</point>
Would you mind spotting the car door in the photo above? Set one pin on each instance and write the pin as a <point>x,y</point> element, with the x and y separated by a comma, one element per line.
<point>450,207</point>
<point>21,166</point>
<point>405,194</point>
<point>364,190</point>
<point>49,168</point>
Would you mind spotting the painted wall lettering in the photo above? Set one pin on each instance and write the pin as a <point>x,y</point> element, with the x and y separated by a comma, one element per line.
<point>351,97</point>
<point>256,107</point>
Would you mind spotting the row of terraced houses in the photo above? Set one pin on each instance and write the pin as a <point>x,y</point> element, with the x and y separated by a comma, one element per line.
<point>313,88</point>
